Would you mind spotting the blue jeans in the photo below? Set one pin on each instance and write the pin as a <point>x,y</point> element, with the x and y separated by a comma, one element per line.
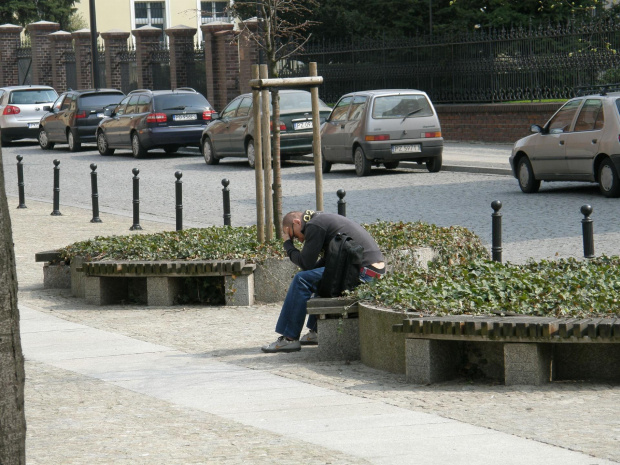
<point>294,309</point>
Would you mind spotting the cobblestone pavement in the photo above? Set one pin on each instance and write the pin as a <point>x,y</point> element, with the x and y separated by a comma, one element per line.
<point>73,419</point>
<point>544,225</point>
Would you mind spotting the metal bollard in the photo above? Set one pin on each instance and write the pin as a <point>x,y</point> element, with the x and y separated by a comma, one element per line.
<point>56,211</point>
<point>226,194</point>
<point>178,189</point>
<point>342,204</point>
<point>587,225</point>
<point>136,200</point>
<point>20,182</point>
<point>95,194</point>
<point>496,219</point>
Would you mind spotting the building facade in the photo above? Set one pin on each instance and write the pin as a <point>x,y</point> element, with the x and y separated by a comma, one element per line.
<point>128,15</point>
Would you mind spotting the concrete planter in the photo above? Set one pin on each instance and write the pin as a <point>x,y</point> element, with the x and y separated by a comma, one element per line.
<point>56,276</point>
<point>272,278</point>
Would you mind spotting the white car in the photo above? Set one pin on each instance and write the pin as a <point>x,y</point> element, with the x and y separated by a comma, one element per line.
<point>21,109</point>
<point>581,142</point>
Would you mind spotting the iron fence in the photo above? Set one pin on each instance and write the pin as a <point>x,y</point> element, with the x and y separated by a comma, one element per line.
<point>129,71</point>
<point>71,70</point>
<point>24,63</point>
<point>480,66</point>
<point>160,68</point>
<point>196,70</point>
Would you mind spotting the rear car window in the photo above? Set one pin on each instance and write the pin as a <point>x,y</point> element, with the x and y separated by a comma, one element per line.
<point>27,97</point>
<point>401,106</point>
<point>179,101</point>
<point>99,100</point>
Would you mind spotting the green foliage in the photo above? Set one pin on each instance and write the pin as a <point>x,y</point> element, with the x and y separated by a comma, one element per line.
<point>213,243</point>
<point>563,288</point>
<point>610,76</point>
<point>24,12</point>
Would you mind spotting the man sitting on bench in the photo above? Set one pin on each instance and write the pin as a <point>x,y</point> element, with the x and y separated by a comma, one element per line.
<point>315,230</point>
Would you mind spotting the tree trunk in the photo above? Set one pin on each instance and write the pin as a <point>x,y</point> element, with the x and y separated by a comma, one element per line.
<point>12,417</point>
<point>277,172</point>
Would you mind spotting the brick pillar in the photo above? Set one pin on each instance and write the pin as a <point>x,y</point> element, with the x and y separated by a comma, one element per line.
<point>115,43</point>
<point>41,51</point>
<point>227,77</point>
<point>83,59</point>
<point>9,43</point>
<point>147,41</point>
<point>62,42</point>
<point>181,41</point>
<point>248,56</point>
<point>208,34</point>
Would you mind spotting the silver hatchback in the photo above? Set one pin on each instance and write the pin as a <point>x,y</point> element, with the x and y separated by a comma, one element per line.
<point>21,109</point>
<point>382,127</point>
<point>581,142</point>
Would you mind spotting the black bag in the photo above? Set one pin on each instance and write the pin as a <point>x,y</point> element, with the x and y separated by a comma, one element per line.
<point>343,261</point>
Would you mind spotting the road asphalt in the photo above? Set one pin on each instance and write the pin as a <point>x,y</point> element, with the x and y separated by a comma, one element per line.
<point>126,384</point>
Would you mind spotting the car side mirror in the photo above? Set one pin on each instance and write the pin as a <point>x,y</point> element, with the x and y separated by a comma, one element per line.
<point>215,116</point>
<point>108,111</point>
<point>47,108</point>
<point>536,128</point>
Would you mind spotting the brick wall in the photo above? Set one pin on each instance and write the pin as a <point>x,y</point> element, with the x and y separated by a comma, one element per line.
<point>492,122</point>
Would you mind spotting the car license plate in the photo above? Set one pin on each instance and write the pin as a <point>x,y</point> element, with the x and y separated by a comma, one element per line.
<point>33,125</point>
<point>410,148</point>
<point>302,125</point>
<point>184,117</point>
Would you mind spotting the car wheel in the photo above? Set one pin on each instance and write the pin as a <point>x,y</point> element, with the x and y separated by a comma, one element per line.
<point>137,148</point>
<point>433,165</point>
<point>391,165</point>
<point>608,180</point>
<point>208,153</point>
<point>326,166</point>
<point>73,141</point>
<point>250,153</point>
<point>102,144</point>
<point>44,142</point>
<point>171,149</point>
<point>362,164</point>
<point>527,182</point>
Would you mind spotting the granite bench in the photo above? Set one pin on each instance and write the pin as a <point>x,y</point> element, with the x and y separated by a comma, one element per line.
<point>56,275</point>
<point>337,328</point>
<point>158,283</point>
<point>520,349</point>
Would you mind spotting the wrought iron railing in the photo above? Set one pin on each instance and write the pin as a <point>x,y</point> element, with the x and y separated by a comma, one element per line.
<point>479,66</point>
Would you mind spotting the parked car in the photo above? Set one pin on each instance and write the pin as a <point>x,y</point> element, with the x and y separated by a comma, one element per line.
<point>21,109</point>
<point>148,119</point>
<point>382,126</point>
<point>231,134</point>
<point>580,142</point>
<point>74,116</point>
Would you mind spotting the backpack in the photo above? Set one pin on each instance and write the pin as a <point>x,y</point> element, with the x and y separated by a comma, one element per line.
<point>343,261</point>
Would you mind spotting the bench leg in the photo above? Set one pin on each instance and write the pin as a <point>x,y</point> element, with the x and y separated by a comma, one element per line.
<point>239,290</point>
<point>527,363</point>
<point>161,291</point>
<point>429,361</point>
<point>339,339</point>
<point>104,291</point>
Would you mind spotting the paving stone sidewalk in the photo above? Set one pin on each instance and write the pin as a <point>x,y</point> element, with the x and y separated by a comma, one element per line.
<point>76,419</point>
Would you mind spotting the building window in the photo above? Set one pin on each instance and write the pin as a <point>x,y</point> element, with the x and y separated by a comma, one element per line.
<point>213,11</point>
<point>150,13</point>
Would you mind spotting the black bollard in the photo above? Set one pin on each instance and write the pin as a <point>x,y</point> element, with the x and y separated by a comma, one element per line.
<point>342,204</point>
<point>95,194</point>
<point>226,194</point>
<point>587,225</point>
<point>20,182</point>
<point>136,200</point>
<point>178,189</point>
<point>496,219</point>
<point>56,211</point>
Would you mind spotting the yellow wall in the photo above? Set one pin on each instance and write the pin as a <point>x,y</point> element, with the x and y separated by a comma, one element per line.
<point>116,14</point>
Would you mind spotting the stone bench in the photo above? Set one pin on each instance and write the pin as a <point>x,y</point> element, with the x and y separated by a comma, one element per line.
<point>56,275</point>
<point>337,328</point>
<point>157,283</point>
<point>519,349</point>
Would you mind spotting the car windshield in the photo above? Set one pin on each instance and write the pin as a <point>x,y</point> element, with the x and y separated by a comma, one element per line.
<point>297,101</point>
<point>179,101</point>
<point>32,96</point>
<point>401,106</point>
<point>99,100</point>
